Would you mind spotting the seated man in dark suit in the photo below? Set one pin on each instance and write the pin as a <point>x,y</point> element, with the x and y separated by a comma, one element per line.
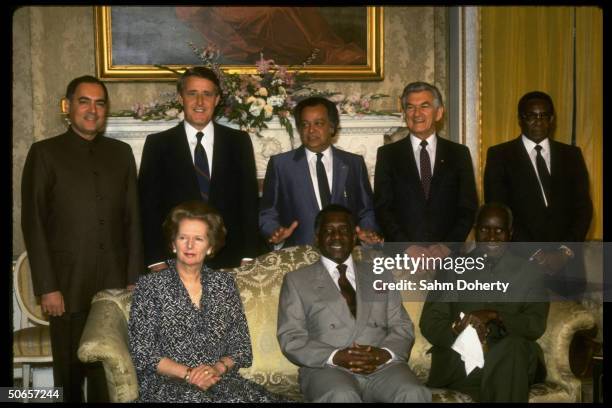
<point>546,185</point>
<point>424,186</point>
<point>300,182</point>
<point>351,342</point>
<point>507,323</point>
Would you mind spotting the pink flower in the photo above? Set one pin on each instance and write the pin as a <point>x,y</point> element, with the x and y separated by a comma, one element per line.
<point>264,65</point>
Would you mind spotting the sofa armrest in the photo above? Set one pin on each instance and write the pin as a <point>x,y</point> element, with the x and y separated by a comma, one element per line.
<point>105,339</point>
<point>564,320</point>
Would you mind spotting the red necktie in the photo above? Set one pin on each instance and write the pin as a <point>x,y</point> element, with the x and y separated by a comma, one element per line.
<point>347,290</point>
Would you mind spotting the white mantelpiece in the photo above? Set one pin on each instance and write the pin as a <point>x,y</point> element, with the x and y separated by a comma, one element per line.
<point>362,135</point>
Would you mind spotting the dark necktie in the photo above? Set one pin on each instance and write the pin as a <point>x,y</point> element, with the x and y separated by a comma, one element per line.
<point>322,181</point>
<point>543,173</point>
<point>425,168</point>
<point>347,290</point>
<point>201,167</point>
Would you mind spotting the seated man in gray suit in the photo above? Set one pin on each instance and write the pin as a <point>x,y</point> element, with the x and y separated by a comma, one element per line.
<point>351,342</point>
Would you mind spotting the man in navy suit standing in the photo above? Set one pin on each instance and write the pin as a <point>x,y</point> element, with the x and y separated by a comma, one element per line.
<point>425,192</point>
<point>299,183</point>
<point>199,160</point>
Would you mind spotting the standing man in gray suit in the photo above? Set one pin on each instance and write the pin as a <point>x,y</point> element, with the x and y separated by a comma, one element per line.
<point>351,342</point>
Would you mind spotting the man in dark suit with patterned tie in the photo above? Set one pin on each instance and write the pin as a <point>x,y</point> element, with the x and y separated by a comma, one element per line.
<point>200,159</point>
<point>350,341</point>
<point>546,185</point>
<point>424,187</point>
<point>302,181</point>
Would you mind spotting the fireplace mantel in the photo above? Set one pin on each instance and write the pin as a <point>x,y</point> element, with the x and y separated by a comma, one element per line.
<point>362,135</point>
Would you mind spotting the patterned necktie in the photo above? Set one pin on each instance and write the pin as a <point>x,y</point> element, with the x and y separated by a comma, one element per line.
<point>347,290</point>
<point>324,193</point>
<point>543,173</point>
<point>201,167</point>
<point>425,168</point>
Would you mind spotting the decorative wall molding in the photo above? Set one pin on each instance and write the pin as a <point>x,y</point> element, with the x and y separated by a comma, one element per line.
<point>361,135</point>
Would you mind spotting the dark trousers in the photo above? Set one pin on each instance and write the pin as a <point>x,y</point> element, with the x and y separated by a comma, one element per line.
<point>511,366</point>
<point>68,371</point>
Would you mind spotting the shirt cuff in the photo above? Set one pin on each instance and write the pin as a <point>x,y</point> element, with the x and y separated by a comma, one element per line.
<point>393,358</point>
<point>330,360</point>
<point>279,245</point>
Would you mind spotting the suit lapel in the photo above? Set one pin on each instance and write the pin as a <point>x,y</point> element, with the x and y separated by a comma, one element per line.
<point>526,171</point>
<point>363,288</point>
<point>409,167</point>
<point>338,193</point>
<point>182,152</point>
<point>220,157</point>
<point>440,166</point>
<point>555,170</point>
<point>304,180</point>
<point>328,293</point>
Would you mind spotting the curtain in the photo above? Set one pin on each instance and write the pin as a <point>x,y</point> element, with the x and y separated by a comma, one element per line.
<point>532,48</point>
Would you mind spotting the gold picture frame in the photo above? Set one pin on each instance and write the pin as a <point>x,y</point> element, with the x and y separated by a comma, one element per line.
<point>109,67</point>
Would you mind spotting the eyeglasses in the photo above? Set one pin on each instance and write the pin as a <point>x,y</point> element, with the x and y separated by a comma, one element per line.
<point>531,117</point>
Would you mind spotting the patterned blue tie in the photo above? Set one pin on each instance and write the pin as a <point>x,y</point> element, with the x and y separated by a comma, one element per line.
<point>201,167</point>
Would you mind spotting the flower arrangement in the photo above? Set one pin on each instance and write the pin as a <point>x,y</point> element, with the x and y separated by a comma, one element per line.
<point>252,100</point>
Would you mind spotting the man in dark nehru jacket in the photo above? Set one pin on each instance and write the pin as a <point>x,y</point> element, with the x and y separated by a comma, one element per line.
<point>81,226</point>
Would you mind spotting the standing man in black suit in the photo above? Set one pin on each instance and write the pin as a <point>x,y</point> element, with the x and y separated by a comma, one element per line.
<point>424,187</point>
<point>546,185</point>
<point>200,160</point>
<point>81,226</point>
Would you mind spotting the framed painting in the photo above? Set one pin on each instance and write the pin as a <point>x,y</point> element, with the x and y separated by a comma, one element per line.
<point>339,43</point>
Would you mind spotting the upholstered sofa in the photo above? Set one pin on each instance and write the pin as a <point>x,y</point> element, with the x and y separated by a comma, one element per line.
<point>105,336</point>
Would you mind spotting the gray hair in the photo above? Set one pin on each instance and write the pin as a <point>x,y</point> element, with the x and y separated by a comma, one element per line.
<point>419,87</point>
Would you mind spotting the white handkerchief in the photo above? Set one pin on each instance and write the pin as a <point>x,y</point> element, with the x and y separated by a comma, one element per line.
<point>469,348</point>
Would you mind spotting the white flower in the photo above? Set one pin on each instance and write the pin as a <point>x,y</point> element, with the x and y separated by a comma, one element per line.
<point>237,99</point>
<point>172,113</point>
<point>354,98</point>
<point>257,106</point>
<point>349,109</point>
<point>337,98</point>
<point>262,92</point>
<point>276,100</point>
<point>268,111</point>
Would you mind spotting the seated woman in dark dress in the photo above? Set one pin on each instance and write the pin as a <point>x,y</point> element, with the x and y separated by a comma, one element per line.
<point>188,334</point>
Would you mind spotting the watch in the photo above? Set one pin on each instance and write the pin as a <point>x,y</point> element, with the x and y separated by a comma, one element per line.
<point>187,375</point>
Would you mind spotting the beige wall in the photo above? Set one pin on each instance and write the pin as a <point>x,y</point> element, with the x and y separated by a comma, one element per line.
<point>53,45</point>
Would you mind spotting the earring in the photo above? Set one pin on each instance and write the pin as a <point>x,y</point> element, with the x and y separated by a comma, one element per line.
<point>174,250</point>
<point>209,251</point>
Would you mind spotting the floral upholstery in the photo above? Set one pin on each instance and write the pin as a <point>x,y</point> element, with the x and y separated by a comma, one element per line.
<point>105,335</point>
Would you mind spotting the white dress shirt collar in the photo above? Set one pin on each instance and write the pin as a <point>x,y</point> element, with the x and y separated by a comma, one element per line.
<point>432,142</point>
<point>545,152</point>
<point>207,141</point>
<point>327,159</point>
<point>331,267</point>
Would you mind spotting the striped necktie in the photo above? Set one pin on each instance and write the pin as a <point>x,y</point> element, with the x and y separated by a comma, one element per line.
<point>201,167</point>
